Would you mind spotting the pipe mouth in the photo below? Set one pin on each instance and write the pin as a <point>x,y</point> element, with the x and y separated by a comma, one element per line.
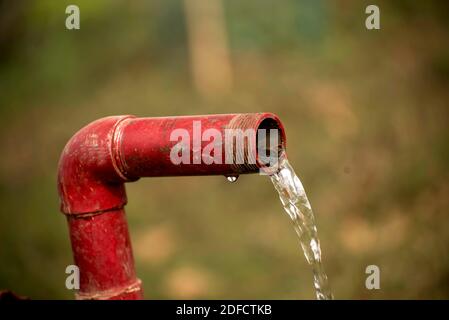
<point>264,145</point>
<point>270,142</point>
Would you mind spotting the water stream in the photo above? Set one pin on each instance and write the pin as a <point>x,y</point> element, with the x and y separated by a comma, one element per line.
<point>295,203</point>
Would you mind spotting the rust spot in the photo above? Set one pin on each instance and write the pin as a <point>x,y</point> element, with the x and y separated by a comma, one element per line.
<point>165,149</point>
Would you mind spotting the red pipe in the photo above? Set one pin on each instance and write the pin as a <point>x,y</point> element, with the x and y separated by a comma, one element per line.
<point>101,157</point>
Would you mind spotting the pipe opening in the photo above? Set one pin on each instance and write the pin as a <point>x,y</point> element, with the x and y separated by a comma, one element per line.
<point>270,141</point>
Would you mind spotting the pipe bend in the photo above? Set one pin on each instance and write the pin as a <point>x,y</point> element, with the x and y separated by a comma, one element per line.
<point>89,179</point>
<point>92,196</point>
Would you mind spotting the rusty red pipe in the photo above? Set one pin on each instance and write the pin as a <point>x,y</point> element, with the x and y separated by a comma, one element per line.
<point>100,158</point>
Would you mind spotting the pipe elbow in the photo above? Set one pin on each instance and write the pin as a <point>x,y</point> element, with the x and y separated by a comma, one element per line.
<point>89,180</point>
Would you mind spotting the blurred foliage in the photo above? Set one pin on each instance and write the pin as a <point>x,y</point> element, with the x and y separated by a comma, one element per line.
<point>366,115</point>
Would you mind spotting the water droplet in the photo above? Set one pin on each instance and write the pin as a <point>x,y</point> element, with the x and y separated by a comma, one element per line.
<point>232,178</point>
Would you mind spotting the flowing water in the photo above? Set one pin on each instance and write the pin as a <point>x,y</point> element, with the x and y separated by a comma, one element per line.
<point>295,202</point>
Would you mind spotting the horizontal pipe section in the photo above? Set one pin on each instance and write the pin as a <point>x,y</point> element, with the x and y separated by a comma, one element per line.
<point>148,143</point>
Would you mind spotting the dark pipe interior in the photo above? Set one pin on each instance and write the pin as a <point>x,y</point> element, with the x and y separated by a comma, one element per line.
<point>268,124</point>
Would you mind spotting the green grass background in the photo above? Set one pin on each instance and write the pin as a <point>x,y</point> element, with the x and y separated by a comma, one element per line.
<point>366,115</point>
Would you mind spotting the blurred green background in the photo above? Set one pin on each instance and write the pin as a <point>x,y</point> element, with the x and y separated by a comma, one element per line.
<point>366,115</point>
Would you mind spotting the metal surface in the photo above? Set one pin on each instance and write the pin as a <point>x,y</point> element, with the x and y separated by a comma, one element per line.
<point>93,168</point>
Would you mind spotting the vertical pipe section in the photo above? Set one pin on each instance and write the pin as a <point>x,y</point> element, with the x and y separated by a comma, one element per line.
<point>102,251</point>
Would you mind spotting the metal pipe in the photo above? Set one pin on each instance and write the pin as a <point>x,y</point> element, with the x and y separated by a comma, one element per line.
<point>101,157</point>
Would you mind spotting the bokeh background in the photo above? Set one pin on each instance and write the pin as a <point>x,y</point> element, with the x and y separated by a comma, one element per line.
<point>366,115</point>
